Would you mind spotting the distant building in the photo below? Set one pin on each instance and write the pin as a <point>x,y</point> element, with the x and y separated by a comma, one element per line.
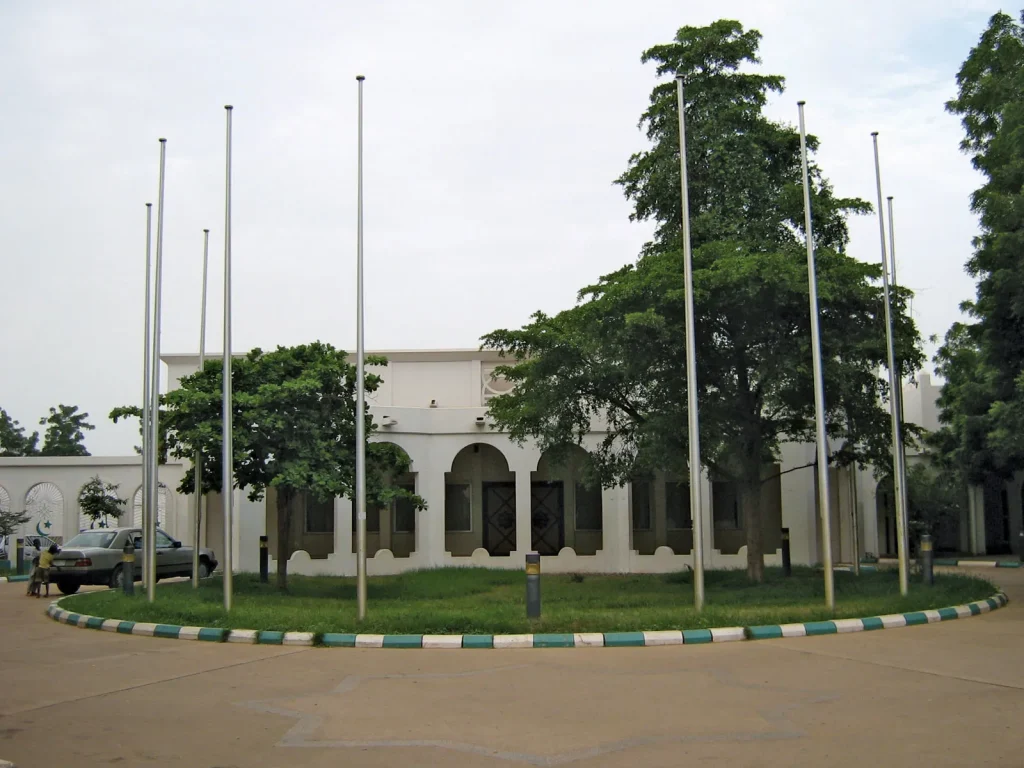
<point>491,501</point>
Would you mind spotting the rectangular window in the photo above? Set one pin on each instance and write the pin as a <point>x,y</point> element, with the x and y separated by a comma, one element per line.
<point>372,519</point>
<point>677,506</point>
<point>588,508</point>
<point>319,514</point>
<point>640,497</point>
<point>725,504</point>
<point>403,511</point>
<point>458,508</point>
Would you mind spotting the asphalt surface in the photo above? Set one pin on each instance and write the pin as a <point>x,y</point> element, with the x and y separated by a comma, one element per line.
<point>949,694</point>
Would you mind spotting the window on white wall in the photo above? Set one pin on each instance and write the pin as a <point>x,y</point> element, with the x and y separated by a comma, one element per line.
<point>372,519</point>
<point>458,508</point>
<point>588,508</point>
<point>640,498</point>
<point>319,515</point>
<point>677,506</point>
<point>725,504</point>
<point>403,511</point>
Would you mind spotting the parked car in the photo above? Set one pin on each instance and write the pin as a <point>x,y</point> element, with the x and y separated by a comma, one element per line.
<point>95,557</point>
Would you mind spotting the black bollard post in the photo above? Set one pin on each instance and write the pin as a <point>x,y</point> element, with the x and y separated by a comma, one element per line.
<point>533,586</point>
<point>787,562</point>
<point>128,568</point>
<point>264,560</point>
<point>19,556</point>
<point>927,573</point>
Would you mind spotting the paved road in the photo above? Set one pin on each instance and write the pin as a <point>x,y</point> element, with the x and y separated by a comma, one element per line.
<point>949,694</point>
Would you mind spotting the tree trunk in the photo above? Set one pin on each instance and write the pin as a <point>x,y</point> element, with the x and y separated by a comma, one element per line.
<point>750,504</point>
<point>284,530</point>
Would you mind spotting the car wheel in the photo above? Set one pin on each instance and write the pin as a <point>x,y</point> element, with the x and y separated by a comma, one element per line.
<point>68,587</point>
<point>204,569</point>
<point>117,578</point>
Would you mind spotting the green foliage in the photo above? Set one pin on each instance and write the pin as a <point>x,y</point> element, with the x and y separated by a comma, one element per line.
<point>13,441</point>
<point>481,601</point>
<point>65,432</point>
<point>99,502</point>
<point>936,500</point>
<point>294,430</point>
<point>983,362</point>
<point>619,356</point>
<point>11,521</point>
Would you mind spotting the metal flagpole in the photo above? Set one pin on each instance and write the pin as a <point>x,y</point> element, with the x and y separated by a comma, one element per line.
<point>696,512</point>
<point>198,461</point>
<point>360,394</point>
<point>146,448</point>
<point>899,389</point>
<point>824,494</point>
<point>899,479</point>
<point>149,540</point>
<point>227,484</point>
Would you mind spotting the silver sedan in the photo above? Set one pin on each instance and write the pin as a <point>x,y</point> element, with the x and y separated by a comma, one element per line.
<point>96,557</point>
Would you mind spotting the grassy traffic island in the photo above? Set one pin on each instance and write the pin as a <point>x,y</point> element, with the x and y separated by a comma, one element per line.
<point>481,601</point>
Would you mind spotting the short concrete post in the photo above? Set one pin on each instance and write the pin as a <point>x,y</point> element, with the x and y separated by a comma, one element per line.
<point>533,586</point>
<point>128,568</point>
<point>927,574</point>
<point>264,560</point>
<point>787,560</point>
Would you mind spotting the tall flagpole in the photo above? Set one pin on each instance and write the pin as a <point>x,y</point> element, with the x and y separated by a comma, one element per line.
<point>824,494</point>
<point>197,463</point>
<point>149,540</point>
<point>147,365</point>
<point>360,394</point>
<point>899,479</point>
<point>696,512</point>
<point>227,483</point>
<point>899,378</point>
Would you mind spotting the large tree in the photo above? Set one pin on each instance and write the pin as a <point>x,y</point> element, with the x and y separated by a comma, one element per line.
<point>13,440</point>
<point>294,431</point>
<point>618,355</point>
<point>982,360</point>
<point>65,432</point>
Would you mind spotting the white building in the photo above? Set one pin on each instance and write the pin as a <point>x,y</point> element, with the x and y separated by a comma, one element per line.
<point>489,501</point>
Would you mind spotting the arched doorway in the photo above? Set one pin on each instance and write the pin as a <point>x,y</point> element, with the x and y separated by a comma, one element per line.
<point>44,504</point>
<point>480,502</point>
<point>565,511</point>
<point>161,506</point>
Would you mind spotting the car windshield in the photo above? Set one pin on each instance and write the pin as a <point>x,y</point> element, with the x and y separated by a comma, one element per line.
<point>100,539</point>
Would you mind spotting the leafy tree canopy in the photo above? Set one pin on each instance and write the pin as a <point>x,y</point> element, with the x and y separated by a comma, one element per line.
<point>99,502</point>
<point>618,356</point>
<point>982,361</point>
<point>65,432</point>
<point>294,430</point>
<point>13,441</point>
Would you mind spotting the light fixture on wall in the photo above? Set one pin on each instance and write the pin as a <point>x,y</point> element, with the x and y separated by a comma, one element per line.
<point>387,421</point>
<point>433,403</point>
<point>480,421</point>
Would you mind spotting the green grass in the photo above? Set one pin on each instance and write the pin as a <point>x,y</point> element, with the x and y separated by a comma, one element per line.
<point>481,601</point>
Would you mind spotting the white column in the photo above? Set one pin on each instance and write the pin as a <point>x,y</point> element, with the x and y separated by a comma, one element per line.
<point>799,506</point>
<point>343,559</point>
<point>709,521</point>
<point>430,546</point>
<point>250,525</point>
<point>615,529</point>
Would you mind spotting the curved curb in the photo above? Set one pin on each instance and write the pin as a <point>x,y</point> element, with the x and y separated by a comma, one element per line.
<point>565,640</point>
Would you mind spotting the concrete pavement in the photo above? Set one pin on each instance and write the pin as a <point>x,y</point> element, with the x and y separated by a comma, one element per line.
<point>948,694</point>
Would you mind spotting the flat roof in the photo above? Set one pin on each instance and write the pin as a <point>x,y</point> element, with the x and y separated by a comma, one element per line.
<point>394,355</point>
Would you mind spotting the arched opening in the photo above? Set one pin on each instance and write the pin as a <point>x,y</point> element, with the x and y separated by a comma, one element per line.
<point>44,504</point>
<point>109,521</point>
<point>660,512</point>
<point>5,500</point>
<point>885,509</point>
<point>565,510</point>
<point>480,502</point>
<point>393,525</point>
<point>161,506</point>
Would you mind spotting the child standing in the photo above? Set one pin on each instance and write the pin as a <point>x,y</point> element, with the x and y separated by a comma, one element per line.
<point>41,573</point>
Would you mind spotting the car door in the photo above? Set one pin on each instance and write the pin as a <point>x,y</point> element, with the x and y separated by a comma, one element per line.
<point>169,560</point>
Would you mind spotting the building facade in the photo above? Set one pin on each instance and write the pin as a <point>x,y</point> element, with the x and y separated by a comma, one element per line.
<point>491,501</point>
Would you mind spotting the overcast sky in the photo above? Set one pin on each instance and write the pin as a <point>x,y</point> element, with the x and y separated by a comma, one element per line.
<point>493,134</point>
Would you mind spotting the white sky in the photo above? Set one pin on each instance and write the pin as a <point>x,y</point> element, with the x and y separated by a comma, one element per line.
<point>493,134</point>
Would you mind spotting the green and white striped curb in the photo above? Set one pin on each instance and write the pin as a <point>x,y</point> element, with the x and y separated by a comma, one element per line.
<point>11,579</point>
<point>976,563</point>
<point>562,640</point>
